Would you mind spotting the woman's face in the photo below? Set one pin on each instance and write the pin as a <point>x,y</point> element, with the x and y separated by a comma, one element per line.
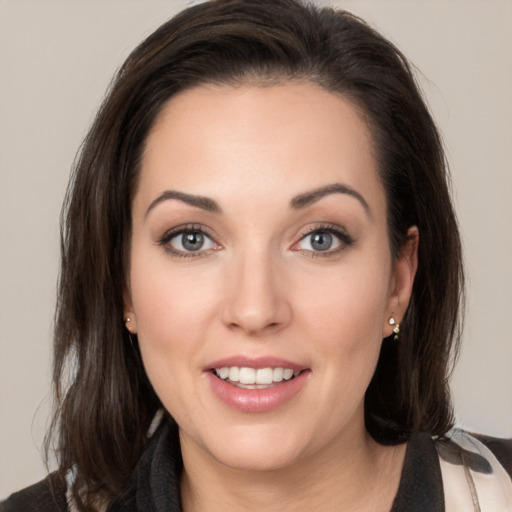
<point>260,252</point>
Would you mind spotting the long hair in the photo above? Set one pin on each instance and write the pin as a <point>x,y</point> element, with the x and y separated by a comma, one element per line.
<point>104,401</point>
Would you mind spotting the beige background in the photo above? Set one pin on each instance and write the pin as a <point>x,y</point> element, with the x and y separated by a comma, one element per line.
<point>56,59</point>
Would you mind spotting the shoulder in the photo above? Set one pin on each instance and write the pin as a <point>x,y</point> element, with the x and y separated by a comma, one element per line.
<point>501,448</point>
<point>473,446</point>
<point>48,495</point>
<point>475,469</point>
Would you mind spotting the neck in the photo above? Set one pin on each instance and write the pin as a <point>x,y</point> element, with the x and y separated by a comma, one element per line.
<point>353,474</point>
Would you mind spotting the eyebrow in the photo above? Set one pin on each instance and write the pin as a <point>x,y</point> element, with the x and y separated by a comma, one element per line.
<point>308,198</point>
<point>298,202</point>
<point>204,203</point>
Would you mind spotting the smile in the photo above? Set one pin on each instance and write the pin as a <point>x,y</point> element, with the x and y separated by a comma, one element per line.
<point>256,385</point>
<point>251,378</point>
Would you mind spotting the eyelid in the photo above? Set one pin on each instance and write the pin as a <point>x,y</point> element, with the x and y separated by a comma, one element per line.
<point>165,239</point>
<point>345,239</point>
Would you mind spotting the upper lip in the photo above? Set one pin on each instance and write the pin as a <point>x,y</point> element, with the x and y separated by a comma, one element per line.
<point>255,362</point>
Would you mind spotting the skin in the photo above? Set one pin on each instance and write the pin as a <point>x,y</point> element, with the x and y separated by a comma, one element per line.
<point>258,288</point>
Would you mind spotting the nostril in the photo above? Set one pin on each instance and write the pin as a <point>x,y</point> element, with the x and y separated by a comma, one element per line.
<point>255,314</point>
<point>253,329</point>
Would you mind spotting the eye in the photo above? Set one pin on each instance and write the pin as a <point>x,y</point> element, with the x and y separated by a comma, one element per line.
<point>324,240</point>
<point>320,241</point>
<point>191,241</point>
<point>187,241</point>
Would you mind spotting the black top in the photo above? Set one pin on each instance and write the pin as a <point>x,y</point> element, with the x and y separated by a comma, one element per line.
<point>154,486</point>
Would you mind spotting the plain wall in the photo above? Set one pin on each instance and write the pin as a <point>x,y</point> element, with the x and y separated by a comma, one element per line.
<point>56,60</point>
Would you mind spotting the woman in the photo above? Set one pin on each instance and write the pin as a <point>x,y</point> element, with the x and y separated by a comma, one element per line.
<point>261,280</point>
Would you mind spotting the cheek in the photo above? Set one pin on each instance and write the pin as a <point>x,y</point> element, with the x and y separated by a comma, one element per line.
<point>349,334</point>
<point>168,302</point>
<point>347,305</point>
<point>170,310</point>
<point>168,313</point>
<point>342,317</point>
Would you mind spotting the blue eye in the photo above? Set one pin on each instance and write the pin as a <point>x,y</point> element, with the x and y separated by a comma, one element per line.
<point>324,240</point>
<point>188,241</point>
<point>321,241</point>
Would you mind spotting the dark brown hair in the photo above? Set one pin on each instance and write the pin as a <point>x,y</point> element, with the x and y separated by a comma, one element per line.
<point>104,401</point>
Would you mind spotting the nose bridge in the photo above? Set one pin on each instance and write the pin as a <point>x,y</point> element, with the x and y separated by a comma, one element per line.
<point>255,302</point>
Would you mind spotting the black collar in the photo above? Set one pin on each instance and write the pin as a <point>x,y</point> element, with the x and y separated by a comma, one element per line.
<point>421,483</point>
<point>154,486</point>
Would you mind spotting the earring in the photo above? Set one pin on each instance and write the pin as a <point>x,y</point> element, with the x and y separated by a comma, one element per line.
<point>127,324</point>
<point>396,329</point>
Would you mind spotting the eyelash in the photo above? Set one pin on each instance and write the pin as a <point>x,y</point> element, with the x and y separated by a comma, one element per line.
<point>180,230</point>
<point>344,238</point>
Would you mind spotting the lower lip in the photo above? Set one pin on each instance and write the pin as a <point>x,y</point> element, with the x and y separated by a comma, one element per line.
<point>257,400</point>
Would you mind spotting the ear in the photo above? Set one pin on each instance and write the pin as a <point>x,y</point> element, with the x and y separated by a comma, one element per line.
<point>404,271</point>
<point>130,320</point>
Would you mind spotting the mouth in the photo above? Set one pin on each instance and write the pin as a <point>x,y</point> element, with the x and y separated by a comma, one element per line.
<point>256,384</point>
<point>255,378</point>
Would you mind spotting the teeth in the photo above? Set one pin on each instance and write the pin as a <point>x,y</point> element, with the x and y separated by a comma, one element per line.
<point>278,374</point>
<point>234,373</point>
<point>248,376</point>
<point>223,373</point>
<point>264,376</point>
<point>287,374</point>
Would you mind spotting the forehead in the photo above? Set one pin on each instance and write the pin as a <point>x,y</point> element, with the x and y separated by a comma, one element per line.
<point>275,141</point>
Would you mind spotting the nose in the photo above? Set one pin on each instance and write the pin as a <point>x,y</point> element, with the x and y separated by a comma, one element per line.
<point>256,302</point>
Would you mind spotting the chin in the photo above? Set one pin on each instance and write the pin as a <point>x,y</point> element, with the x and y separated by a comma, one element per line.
<point>249,448</point>
<point>257,460</point>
